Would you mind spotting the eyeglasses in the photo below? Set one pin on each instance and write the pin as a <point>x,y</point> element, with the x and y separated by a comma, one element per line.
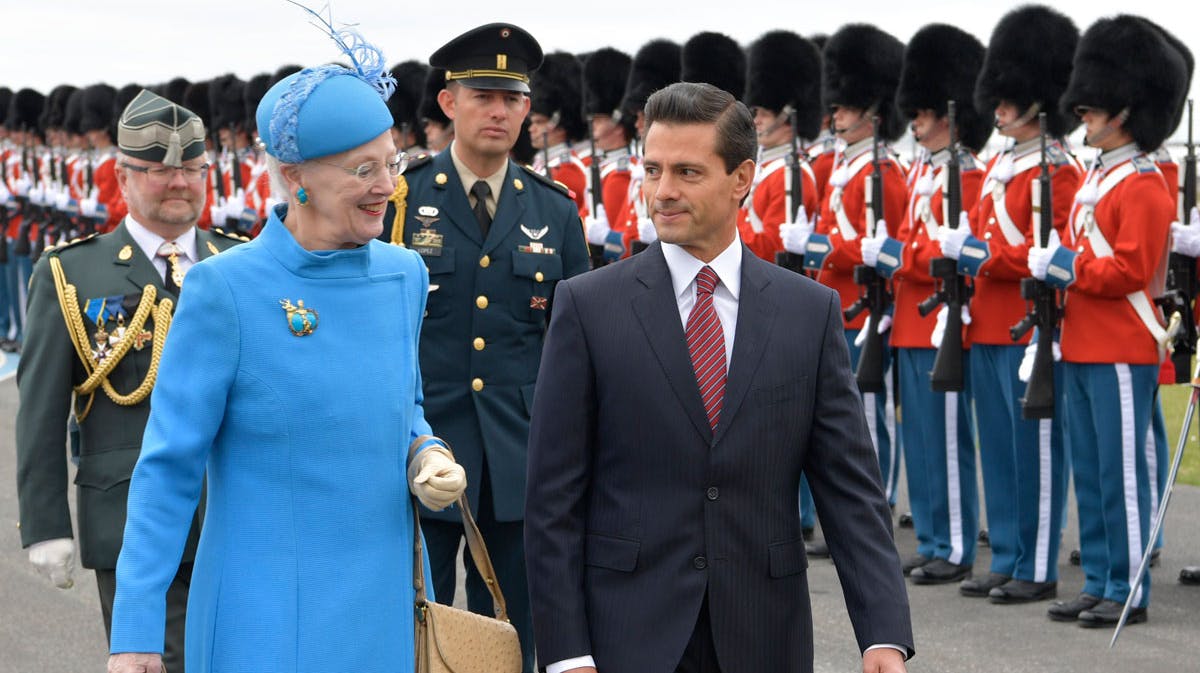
<point>163,174</point>
<point>367,171</point>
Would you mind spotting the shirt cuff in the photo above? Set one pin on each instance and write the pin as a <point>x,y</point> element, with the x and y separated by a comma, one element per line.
<point>901,649</point>
<point>568,664</point>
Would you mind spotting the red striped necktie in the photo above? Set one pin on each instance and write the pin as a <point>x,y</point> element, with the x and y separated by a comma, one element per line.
<point>706,345</point>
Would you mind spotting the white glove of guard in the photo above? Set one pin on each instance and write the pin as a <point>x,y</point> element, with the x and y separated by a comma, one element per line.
<point>88,207</point>
<point>597,228</point>
<point>5,195</point>
<point>1025,370</point>
<point>37,195</point>
<point>951,240</point>
<point>795,235</point>
<point>55,560</point>
<point>1039,258</point>
<point>872,246</point>
<point>646,232</point>
<point>23,185</point>
<point>436,479</point>
<point>233,208</point>
<point>135,662</point>
<point>939,327</point>
<point>885,324</point>
<point>1185,238</point>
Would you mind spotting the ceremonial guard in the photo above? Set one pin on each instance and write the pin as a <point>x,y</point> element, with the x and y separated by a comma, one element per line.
<point>821,151</point>
<point>556,123</point>
<point>99,312</point>
<point>496,238</point>
<point>8,209</point>
<point>655,66</point>
<point>860,70</point>
<point>407,130</point>
<point>1022,460</point>
<point>258,190</point>
<point>235,162</point>
<point>439,131</point>
<point>604,74</point>
<point>104,203</point>
<point>939,441</point>
<point>19,172</point>
<point>783,90</point>
<point>1126,84</point>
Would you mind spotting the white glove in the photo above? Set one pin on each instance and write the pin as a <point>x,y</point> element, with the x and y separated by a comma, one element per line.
<point>63,200</point>
<point>951,240</point>
<point>436,479</point>
<point>37,195</point>
<point>5,195</point>
<point>885,324</point>
<point>234,206</point>
<point>597,228</point>
<point>1185,238</point>
<point>135,662</point>
<point>1025,370</point>
<point>23,185</point>
<point>1039,258</point>
<point>939,327</point>
<point>88,207</point>
<point>55,559</point>
<point>872,246</point>
<point>646,232</point>
<point>795,235</point>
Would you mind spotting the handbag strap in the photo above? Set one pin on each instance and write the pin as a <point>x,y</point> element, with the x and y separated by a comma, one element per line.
<point>479,552</point>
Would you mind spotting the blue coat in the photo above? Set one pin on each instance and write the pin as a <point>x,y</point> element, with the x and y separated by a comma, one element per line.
<point>304,563</point>
<point>488,305</point>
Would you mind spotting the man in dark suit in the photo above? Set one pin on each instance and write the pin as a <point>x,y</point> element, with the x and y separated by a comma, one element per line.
<point>662,527</point>
<point>99,310</point>
<point>496,238</point>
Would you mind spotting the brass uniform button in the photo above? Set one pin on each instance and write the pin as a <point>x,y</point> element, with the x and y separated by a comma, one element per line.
<point>477,385</point>
<point>479,343</point>
<point>481,302</point>
<point>539,277</point>
<point>440,178</point>
<point>485,261</point>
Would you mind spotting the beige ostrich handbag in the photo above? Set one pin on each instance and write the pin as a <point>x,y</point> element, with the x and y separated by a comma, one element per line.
<point>449,640</point>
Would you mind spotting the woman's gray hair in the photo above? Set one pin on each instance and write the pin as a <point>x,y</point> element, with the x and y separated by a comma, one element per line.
<point>279,186</point>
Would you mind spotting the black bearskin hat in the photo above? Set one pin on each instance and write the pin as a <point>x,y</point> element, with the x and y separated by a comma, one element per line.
<point>55,112</point>
<point>785,69</point>
<point>225,103</point>
<point>941,63</point>
<point>256,88</point>
<point>654,66</point>
<point>1028,61</point>
<point>430,110</point>
<point>716,59</point>
<point>6,96</point>
<point>121,100</point>
<point>24,111</point>
<point>1125,63</point>
<point>1189,61</point>
<point>604,75</point>
<point>195,98</point>
<point>73,114</point>
<point>554,89</point>
<point>284,71</point>
<point>97,108</point>
<point>862,69</point>
<point>175,90</point>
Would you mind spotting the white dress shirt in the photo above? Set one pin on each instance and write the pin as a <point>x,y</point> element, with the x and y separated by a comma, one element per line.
<point>149,242</point>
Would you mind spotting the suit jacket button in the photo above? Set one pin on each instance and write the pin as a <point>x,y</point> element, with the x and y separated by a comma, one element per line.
<point>712,493</point>
<point>699,563</point>
<point>477,385</point>
<point>481,302</point>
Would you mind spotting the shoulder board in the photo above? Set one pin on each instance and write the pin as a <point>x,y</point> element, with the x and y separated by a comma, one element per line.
<point>1055,155</point>
<point>1143,164</point>
<point>554,184</point>
<point>419,161</point>
<point>229,234</point>
<point>968,162</point>
<point>1162,156</point>
<point>70,244</point>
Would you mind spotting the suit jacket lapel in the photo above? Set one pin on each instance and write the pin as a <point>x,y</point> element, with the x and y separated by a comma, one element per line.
<point>756,314</point>
<point>658,313</point>
<point>509,208</point>
<point>139,269</point>
<point>453,199</point>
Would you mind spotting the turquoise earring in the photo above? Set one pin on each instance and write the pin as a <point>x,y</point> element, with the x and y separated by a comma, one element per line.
<point>302,197</point>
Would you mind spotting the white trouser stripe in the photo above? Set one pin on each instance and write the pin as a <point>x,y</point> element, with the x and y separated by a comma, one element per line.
<point>1041,554</point>
<point>890,422</point>
<point>953,492</point>
<point>1152,467</point>
<point>1129,449</point>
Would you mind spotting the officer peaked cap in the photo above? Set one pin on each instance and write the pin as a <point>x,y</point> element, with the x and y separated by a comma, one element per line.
<point>492,56</point>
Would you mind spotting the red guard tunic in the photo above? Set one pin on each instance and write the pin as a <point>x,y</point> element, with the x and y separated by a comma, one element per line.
<point>568,169</point>
<point>770,205</point>
<point>821,156</point>
<point>108,193</point>
<point>614,190</point>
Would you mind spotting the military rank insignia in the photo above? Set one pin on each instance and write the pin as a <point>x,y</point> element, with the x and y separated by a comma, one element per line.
<point>534,234</point>
<point>427,242</point>
<point>301,320</point>
<point>536,248</point>
<point>537,303</point>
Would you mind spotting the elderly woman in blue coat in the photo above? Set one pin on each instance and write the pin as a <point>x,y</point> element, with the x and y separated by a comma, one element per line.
<point>290,379</point>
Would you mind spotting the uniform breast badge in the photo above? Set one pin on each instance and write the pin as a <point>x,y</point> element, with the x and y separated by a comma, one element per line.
<point>534,234</point>
<point>301,321</point>
<point>427,242</point>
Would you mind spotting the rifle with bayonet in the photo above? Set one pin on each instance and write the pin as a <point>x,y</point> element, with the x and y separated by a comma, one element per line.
<point>595,252</point>
<point>795,194</point>
<point>953,290</point>
<point>1044,308</point>
<point>875,298</point>
<point>1181,275</point>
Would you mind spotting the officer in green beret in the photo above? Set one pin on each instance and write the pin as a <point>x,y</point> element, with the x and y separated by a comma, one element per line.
<point>98,314</point>
<point>496,238</point>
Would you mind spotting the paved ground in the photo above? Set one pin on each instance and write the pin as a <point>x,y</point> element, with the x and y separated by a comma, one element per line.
<point>47,630</point>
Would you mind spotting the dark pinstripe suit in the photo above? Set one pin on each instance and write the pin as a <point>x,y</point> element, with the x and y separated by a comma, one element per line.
<point>635,509</point>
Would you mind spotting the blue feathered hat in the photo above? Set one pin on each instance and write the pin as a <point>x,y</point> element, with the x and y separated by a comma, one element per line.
<point>330,108</point>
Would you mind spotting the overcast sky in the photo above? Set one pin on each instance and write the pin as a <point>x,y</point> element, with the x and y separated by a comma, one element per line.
<point>49,42</point>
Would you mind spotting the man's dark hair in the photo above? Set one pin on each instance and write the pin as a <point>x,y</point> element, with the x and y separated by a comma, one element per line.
<point>696,103</point>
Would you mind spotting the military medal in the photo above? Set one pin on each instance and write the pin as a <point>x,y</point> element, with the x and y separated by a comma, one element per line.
<point>538,303</point>
<point>536,248</point>
<point>301,321</point>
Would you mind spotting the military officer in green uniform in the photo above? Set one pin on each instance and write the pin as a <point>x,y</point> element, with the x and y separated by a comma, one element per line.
<point>99,311</point>
<point>496,238</point>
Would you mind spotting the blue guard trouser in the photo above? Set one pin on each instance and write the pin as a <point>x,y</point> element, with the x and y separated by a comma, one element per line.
<point>939,454</point>
<point>17,273</point>
<point>1108,412</point>
<point>1160,468</point>
<point>881,424</point>
<point>1023,464</point>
